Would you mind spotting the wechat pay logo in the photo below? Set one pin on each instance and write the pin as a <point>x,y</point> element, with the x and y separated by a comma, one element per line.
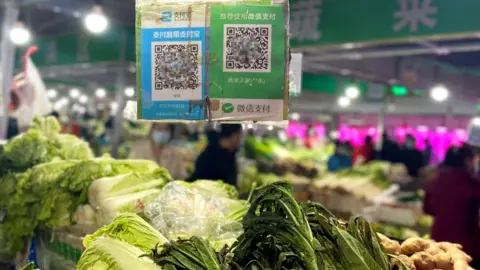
<point>227,108</point>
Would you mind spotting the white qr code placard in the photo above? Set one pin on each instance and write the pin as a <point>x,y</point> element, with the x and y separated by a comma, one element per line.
<point>247,47</point>
<point>176,70</point>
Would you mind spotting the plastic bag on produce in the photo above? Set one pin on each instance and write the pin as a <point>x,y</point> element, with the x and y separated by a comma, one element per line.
<point>110,208</point>
<point>185,211</point>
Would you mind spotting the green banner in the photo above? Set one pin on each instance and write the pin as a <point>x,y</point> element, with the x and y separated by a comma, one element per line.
<point>115,45</point>
<point>332,22</point>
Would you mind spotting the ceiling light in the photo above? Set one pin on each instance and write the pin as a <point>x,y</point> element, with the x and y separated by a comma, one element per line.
<point>295,116</point>
<point>20,35</point>
<point>129,92</point>
<point>100,93</point>
<point>343,102</point>
<point>52,93</point>
<point>250,126</point>
<point>476,121</point>
<point>96,22</point>
<point>113,107</point>
<point>83,99</point>
<point>270,128</point>
<point>352,92</point>
<point>348,46</point>
<point>74,93</point>
<point>439,93</point>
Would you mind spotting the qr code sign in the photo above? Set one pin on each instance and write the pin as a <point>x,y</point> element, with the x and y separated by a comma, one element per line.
<point>247,47</point>
<point>176,66</point>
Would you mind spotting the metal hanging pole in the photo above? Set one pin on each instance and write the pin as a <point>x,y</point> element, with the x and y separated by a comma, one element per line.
<point>7,59</point>
<point>120,99</point>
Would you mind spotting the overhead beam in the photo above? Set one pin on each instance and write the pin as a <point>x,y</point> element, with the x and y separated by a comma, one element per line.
<point>357,55</point>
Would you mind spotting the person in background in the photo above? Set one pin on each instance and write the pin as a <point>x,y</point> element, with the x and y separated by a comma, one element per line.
<point>411,157</point>
<point>427,153</point>
<point>364,153</point>
<point>157,148</point>
<point>64,124</point>
<point>55,114</point>
<point>311,137</point>
<point>218,161</point>
<point>69,126</point>
<point>341,159</point>
<point>12,128</point>
<point>452,197</point>
<point>390,149</point>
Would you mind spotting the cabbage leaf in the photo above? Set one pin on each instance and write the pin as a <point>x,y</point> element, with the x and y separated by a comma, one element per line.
<point>112,254</point>
<point>124,184</point>
<point>131,229</point>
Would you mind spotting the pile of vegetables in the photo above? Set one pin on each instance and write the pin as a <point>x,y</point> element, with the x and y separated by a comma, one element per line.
<point>278,233</point>
<point>41,143</point>
<point>364,182</point>
<point>282,234</point>
<point>421,254</point>
<point>47,195</point>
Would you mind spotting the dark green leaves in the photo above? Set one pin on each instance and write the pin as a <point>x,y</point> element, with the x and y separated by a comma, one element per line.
<point>192,254</point>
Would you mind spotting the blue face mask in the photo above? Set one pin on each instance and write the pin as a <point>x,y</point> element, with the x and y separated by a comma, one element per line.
<point>160,137</point>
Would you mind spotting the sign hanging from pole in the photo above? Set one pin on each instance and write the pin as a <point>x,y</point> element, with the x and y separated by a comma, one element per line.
<point>221,62</point>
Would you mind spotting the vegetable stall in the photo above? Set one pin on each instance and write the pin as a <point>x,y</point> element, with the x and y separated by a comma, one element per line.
<point>101,213</point>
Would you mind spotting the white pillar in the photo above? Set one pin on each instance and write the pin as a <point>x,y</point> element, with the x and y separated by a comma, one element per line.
<point>7,59</point>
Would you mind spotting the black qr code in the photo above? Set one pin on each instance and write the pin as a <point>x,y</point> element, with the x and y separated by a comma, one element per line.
<point>247,48</point>
<point>176,66</point>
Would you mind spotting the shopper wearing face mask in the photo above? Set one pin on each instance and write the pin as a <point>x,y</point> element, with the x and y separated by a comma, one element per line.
<point>218,161</point>
<point>341,159</point>
<point>159,149</point>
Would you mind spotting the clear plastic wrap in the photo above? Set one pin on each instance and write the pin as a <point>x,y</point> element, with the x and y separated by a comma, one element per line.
<point>184,211</point>
<point>212,60</point>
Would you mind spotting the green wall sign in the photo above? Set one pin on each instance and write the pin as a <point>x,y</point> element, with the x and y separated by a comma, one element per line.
<point>332,22</point>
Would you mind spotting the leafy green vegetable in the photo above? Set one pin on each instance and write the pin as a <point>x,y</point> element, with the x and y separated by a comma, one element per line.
<point>26,151</point>
<point>277,233</point>
<point>282,234</point>
<point>110,208</point>
<point>356,255</point>
<point>363,232</point>
<point>49,193</point>
<point>131,229</point>
<point>41,143</point>
<point>124,184</point>
<point>112,254</point>
<point>190,254</point>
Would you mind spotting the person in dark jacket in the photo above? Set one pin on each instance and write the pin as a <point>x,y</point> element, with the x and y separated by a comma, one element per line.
<point>12,129</point>
<point>427,153</point>
<point>411,157</point>
<point>390,149</point>
<point>453,199</point>
<point>218,161</point>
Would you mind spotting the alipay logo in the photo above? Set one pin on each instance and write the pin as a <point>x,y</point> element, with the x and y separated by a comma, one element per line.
<point>166,16</point>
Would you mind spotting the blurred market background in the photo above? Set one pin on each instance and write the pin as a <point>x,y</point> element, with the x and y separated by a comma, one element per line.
<point>352,79</point>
